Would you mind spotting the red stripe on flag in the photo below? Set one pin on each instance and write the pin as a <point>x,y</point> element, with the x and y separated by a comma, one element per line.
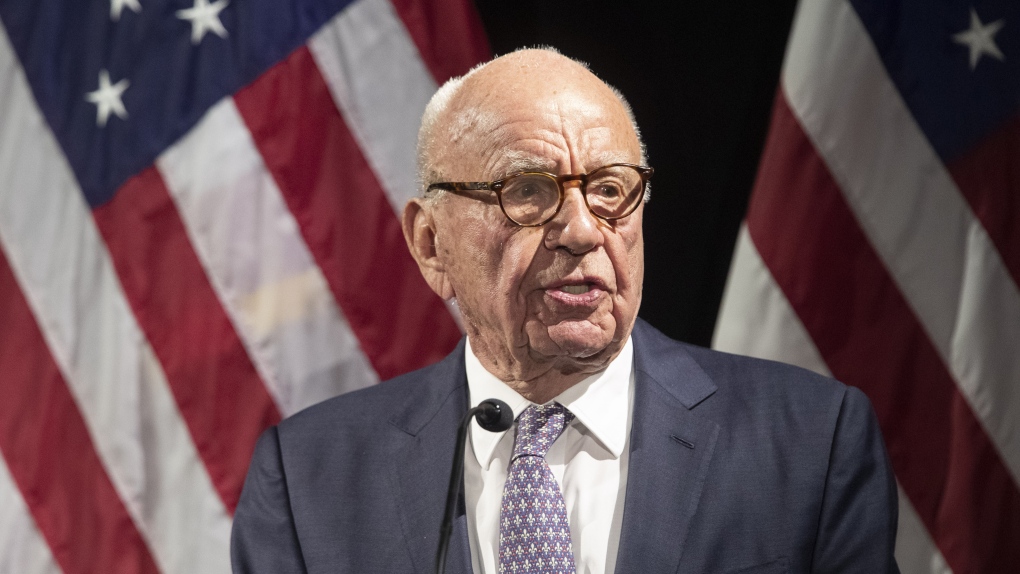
<point>864,329</point>
<point>221,397</point>
<point>345,218</point>
<point>448,33</point>
<point>989,177</point>
<point>50,453</point>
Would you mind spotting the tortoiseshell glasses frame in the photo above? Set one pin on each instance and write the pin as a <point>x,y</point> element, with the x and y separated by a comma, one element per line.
<point>533,198</point>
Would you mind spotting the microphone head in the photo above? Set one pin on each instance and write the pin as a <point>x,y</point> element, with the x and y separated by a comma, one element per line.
<point>494,415</point>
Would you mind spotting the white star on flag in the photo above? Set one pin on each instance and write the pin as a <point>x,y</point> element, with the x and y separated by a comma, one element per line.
<point>980,38</point>
<point>108,98</point>
<point>117,6</point>
<point>204,17</point>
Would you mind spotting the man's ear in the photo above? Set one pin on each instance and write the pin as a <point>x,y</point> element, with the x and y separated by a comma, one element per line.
<point>419,226</point>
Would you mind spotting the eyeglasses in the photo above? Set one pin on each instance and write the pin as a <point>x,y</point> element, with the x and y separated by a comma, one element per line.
<point>533,198</point>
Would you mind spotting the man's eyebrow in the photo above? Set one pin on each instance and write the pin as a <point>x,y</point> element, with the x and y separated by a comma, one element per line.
<point>606,158</point>
<point>516,162</point>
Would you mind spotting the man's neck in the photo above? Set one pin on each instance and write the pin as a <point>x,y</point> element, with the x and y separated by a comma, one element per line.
<point>553,377</point>
<point>545,385</point>
<point>541,391</point>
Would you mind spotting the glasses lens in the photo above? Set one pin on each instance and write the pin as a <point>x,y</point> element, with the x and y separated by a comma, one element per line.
<point>530,198</point>
<point>614,191</point>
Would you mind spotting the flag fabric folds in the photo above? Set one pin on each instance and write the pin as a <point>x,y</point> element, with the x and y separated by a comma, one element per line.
<point>882,246</point>
<point>199,235</point>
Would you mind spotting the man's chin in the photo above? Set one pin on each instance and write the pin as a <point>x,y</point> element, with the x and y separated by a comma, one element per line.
<point>579,340</point>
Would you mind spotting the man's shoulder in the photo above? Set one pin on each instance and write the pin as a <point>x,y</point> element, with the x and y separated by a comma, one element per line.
<point>377,404</point>
<point>739,382</point>
<point>746,373</point>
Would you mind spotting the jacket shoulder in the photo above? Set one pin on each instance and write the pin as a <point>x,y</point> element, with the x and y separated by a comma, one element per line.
<point>744,371</point>
<point>385,402</point>
<point>736,373</point>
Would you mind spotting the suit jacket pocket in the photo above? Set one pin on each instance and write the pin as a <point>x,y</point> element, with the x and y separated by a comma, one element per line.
<point>771,567</point>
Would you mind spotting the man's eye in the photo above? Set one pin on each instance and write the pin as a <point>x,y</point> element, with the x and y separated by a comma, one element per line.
<point>530,190</point>
<point>608,190</point>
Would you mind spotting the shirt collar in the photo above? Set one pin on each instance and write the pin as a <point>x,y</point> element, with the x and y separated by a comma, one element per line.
<point>600,402</point>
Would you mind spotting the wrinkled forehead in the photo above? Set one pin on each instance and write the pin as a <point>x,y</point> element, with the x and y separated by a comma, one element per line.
<point>535,111</point>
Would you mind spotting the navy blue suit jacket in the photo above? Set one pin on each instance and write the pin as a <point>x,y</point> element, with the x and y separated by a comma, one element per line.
<point>736,465</point>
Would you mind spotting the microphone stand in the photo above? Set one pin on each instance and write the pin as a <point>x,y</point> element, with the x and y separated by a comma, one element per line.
<point>494,416</point>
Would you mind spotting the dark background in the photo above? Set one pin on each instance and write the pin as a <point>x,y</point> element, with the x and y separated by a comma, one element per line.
<point>701,77</point>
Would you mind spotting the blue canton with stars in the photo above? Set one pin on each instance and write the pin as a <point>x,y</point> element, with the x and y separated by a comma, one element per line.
<point>956,64</point>
<point>120,80</point>
<point>534,535</point>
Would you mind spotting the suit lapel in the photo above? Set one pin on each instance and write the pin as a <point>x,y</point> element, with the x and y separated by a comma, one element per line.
<point>425,430</point>
<point>670,451</point>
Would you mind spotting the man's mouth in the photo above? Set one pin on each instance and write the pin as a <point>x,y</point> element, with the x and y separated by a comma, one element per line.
<point>584,292</point>
<point>576,289</point>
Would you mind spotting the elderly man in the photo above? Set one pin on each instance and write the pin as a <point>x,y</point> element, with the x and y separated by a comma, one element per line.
<point>630,453</point>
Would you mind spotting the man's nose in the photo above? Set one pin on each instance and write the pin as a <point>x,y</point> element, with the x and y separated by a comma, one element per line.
<point>574,228</point>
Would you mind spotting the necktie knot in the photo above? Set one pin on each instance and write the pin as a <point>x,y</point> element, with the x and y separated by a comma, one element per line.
<point>538,427</point>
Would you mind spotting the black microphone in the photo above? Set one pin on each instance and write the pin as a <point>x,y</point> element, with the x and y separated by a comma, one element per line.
<point>494,416</point>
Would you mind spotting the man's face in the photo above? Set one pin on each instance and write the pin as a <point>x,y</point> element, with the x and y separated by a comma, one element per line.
<point>559,299</point>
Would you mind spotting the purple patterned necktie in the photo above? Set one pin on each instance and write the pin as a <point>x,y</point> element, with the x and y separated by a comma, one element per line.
<point>534,536</point>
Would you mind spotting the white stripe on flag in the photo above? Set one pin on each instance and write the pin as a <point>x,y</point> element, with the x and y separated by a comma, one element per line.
<point>62,264</point>
<point>259,265</point>
<point>757,320</point>
<point>755,317</point>
<point>22,547</point>
<point>381,86</point>
<point>916,553</point>
<point>934,247</point>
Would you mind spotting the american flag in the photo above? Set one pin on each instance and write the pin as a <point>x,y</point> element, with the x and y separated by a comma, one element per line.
<point>882,246</point>
<point>199,235</point>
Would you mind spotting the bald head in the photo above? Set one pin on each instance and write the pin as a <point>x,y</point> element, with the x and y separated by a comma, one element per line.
<point>467,106</point>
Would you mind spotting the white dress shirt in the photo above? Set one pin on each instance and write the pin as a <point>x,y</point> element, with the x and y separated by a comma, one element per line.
<point>589,461</point>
